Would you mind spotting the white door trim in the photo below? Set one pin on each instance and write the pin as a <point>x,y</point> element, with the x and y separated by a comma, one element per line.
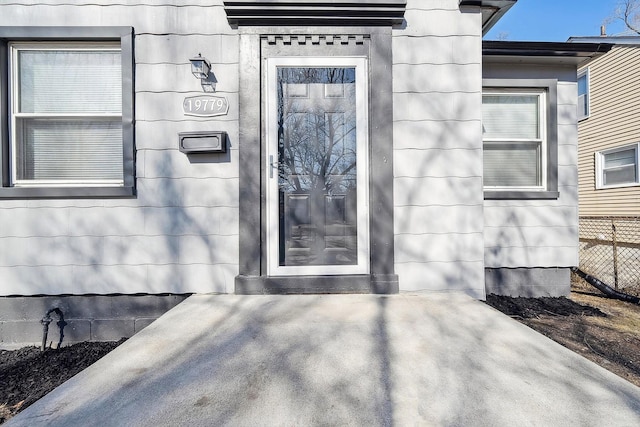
<point>362,176</point>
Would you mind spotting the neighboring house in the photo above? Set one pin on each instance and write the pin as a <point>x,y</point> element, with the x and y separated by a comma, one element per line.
<point>609,129</point>
<point>334,147</point>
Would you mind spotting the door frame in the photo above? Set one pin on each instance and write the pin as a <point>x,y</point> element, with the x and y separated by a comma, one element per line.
<point>362,172</point>
<point>256,44</point>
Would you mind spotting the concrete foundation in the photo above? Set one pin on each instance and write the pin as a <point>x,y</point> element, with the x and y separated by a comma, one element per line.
<point>528,282</point>
<point>87,317</point>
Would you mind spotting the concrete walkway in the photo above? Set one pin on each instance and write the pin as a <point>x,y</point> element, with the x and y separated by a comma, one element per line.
<point>362,360</point>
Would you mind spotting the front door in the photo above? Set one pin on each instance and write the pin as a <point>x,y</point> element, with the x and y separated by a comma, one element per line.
<point>317,185</point>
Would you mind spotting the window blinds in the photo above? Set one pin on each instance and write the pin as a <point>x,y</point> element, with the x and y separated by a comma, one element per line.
<point>84,150</point>
<point>512,140</point>
<point>70,82</point>
<point>620,167</point>
<point>510,116</point>
<point>513,165</point>
<point>68,125</point>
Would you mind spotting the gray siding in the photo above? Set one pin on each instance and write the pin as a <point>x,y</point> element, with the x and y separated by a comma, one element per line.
<point>539,233</point>
<point>437,67</point>
<point>180,234</point>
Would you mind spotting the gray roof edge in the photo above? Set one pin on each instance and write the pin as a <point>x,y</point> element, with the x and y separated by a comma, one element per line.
<point>547,49</point>
<point>614,40</point>
<point>487,3</point>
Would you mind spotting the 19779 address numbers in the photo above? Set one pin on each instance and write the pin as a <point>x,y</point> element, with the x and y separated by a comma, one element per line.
<point>205,105</point>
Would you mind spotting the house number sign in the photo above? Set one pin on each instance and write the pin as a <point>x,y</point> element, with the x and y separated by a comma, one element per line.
<point>205,106</point>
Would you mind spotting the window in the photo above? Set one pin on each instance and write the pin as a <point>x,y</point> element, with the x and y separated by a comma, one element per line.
<point>67,123</point>
<point>618,167</point>
<point>583,94</point>
<point>519,128</point>
<point>514,140</point>
<point>66,114</point>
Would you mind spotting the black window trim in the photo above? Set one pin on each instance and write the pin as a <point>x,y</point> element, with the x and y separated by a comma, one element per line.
<point>551,86</point>
<point>122,34</point>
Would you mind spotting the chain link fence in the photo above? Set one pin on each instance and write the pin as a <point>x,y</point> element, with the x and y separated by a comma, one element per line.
<point>610,251</point>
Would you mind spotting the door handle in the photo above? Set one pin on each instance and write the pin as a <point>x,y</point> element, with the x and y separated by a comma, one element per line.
<point>272,165</point>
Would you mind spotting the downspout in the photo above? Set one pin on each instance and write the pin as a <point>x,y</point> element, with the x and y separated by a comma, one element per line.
<point>604,288</point>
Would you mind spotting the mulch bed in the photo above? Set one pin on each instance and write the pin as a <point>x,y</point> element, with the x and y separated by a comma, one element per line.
<point>605,331</point>
<point>28,374</point>
<point>527,308</point>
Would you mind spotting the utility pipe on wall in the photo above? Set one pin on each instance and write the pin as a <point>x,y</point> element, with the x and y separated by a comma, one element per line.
<point>45,326</point>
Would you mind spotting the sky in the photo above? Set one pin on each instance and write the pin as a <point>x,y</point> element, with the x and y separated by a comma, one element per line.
<point>555,20</point>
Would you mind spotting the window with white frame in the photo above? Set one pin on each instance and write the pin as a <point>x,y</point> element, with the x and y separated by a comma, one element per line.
<point>618,167</point>
<point>514,139</point>
<point>66,126</point>
<point>583,94</point>
<point>66,114</point>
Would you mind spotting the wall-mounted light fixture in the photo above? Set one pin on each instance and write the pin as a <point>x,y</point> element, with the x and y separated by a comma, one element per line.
<point>201,69</point>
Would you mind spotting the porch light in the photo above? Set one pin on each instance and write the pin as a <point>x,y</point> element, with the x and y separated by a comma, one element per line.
<point>200,67</point>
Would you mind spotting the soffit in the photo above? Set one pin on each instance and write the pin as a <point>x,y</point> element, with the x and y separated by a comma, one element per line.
<point>541,52</point>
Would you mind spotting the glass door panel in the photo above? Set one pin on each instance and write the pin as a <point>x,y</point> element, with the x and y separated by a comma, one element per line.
<point>317,195</point>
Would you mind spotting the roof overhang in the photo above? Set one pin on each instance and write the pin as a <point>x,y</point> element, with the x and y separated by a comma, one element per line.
<point>492,10</point>
<point>615,40</point>
<point>542,52</point>
<point>315,12</point>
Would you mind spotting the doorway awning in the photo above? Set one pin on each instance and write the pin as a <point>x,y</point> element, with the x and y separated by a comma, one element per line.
<point>315,12</point>
<point>492,10</point>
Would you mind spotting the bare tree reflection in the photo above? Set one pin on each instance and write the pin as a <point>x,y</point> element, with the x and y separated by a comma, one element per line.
<point>317,170</point>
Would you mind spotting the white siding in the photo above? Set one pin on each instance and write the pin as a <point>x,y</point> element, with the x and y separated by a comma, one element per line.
<point>180,234</point>
<point>437,84</point>
<point>539,233</point>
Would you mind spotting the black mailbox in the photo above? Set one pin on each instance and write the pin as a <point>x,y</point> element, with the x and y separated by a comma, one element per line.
<point>202,142</point>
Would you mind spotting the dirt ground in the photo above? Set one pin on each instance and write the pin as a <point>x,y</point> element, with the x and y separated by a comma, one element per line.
<point>603,330</point>
<point>28,374</point>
